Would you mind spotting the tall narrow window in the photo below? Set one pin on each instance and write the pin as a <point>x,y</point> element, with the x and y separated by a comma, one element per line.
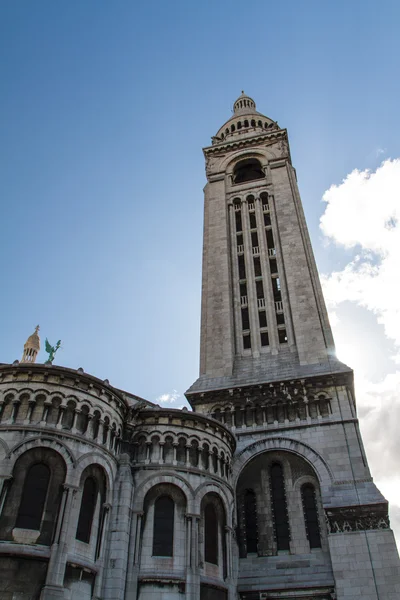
<point>250,520</point>
<point>242,267</point>
<point>86,513</point>
<point>257,266</point>
<point>279,507</point>
<point>238,219</point>
<point>311,515</point>
<point>33,497</point>
<point>163,533</point>
<point>245,319</point>
<point>210,534</point>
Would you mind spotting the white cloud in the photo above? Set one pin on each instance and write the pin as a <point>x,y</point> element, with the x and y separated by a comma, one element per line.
<point>174,399</point>
<point>362,214</point>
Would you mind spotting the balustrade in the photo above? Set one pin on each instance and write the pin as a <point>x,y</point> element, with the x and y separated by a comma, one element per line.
<point>273,412</point>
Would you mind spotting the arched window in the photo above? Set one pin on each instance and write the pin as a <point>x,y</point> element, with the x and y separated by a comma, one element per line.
<point>278,497</point>
<point>311,515</point>
<point>163,531</point>
<point>248,170</point>
<point>33,497</point>
<point>250,520</point>
<point>210,534</point>
<point>86,513</point>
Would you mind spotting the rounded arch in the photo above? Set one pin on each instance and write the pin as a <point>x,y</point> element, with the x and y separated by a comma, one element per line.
<point>214,487</point>
<point>167,477</point>
<point>94,458</point>
<point>248,169</point>
<point>318,464</point>
<point>45,442</point>
<point>230,161</point>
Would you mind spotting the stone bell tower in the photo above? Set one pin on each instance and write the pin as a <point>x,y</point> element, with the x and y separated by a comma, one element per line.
<point>263,312</point>
<point>310,522</point>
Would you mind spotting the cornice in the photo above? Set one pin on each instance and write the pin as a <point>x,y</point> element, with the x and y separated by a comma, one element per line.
<point>250,142</point>
<point>292,387</point>
<point>69,378</point>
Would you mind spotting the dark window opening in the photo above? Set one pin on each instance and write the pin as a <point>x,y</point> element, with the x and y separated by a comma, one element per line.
<point>239,125</point>
<point>33,497</point>
<point>264,199</point>
<point>232,128</point>
<point>210,534</point>
<point>163,533</point>
<point>259,289</point>
<point>282,336</point>
<point>238,219</point>
<point>278,497</point>
<point>248,170</point>
<point>276,289</point>
<point>242,267</point>
<point>262,317</point>
<point>280,319</point>
<point>254,239</point>
<point>257,266</point>
<point>245,318</point>
<point>270,238</point>
<point>250,519</point>
<point>267,219</point>
<point>253,123</point>
<point>264,338</point>
<point>311,515</point>
<point>273,265</point>
<point>239,239</point>
<point>86,513</point>
<point>259,123</point>
<point>246,342</point>
<point>243,289</point>
<point>253,221</point>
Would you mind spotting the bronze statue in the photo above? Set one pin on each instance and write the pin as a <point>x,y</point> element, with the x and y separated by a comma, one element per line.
<point>51,350</point>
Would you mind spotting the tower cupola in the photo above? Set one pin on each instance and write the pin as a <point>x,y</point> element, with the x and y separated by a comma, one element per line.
<point>244,105</point>
<point>31,347</point>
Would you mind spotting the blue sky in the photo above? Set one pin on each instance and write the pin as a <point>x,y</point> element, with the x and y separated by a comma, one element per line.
<point>105,108</point>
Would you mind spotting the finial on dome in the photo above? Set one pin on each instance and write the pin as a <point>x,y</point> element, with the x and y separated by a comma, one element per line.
<point>31,347</point>
<point>244,104</point>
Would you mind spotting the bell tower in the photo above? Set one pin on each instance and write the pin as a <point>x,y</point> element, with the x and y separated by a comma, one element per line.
<point>309,520</point>
<point>263,312</point>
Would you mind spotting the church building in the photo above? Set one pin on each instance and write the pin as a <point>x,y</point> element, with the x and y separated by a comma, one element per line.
<point>262,491</point>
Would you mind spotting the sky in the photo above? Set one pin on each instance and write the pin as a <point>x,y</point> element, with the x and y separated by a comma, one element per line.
<point>104,110</point>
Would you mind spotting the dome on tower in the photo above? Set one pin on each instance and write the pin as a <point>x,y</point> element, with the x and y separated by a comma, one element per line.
<point>244,104</point>
<point>245,122</point>
<point>31,347</point>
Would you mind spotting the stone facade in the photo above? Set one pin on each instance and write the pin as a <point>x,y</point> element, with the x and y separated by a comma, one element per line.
<point>263,490</point>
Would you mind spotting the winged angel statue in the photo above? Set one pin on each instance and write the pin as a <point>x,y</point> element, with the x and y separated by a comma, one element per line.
<point>51,350</point>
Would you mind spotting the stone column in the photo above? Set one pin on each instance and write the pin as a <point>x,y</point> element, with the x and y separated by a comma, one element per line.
<point>31,406</point>
<point>61,409</point>
<point>54,588</point>
<point>74,419</point>
<point>120,524</point>
<point>134,555</point>
<point>100,552</point>
<point>192,561</point>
